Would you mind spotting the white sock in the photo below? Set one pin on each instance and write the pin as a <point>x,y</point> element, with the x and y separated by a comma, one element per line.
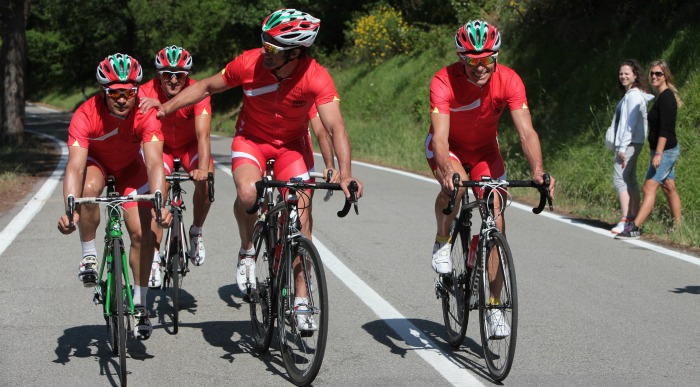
<point>89,248</point>
<point>243,252</point>
<point>140,295</point>
<point>156,256</point>
<point>301,300</point>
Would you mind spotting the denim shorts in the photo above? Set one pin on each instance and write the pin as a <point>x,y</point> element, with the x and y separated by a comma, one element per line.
<point>666,169</point>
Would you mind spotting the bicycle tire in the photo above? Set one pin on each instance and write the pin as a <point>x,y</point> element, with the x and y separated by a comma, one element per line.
<point>499,352</point>
<point>119,295</point>
<point>261,318</point>
<point>303,351</point>
<point>175,268</point>
<point>455,312</point>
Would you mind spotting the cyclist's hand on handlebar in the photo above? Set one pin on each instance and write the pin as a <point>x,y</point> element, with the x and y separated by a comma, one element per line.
<point>335,175</point>
<point>345,182</point>
<point>64,225</point>
<point>539,179</point>
<point>199,174</point>
<point>447,183</point>
<point>166,217</point>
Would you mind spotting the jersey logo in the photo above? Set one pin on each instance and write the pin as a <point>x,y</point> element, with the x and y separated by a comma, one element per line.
<point>525,105</point>
<point>205,112</point>
<point>154,138</point>
<point>335,99</point>
<point>75,143</point>
<point>436,111</point>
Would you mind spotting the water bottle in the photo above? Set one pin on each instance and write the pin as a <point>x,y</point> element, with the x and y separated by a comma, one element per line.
<point>472,251</point>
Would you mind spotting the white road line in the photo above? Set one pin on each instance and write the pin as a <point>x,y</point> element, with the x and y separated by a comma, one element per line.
<point>22,219</point>
<point>442,362</point>
<point>563,219</point>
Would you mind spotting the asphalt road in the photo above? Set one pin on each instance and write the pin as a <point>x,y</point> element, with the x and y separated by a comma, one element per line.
<point>593,311</point>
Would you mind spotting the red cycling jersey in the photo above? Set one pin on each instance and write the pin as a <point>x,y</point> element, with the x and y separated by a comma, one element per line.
<point>474,111</point>
<point>274,111</point>
<point>112,141</point>
<point>178,128</point>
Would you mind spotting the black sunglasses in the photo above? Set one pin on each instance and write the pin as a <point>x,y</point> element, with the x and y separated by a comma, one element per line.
<point>657,74</point>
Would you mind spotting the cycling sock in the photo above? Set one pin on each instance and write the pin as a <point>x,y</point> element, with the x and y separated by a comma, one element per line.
<point>246,253</point>
<point>156,256</point>
<point>194,230</point>
<point>140,295</point>
<point>89,248</point>
<point>301,300</point>
<point>442,240</point>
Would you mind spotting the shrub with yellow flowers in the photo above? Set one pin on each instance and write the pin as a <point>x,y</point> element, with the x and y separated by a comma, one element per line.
<point>379,35</point>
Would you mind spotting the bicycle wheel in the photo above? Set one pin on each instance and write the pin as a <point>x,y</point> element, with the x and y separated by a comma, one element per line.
<point>455,295</point>
<point>174,265</point>
<point>119,314</point>
<point>260,305</point>
<point>499,306</point>
<point>303,350</point>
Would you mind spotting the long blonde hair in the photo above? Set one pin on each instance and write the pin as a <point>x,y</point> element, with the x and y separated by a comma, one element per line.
<point>669,79</point>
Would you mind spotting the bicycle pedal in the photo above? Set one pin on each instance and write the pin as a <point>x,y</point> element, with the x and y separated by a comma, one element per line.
<point>89,280</point>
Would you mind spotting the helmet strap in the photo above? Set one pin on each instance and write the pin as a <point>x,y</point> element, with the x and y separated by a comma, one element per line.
<point>287,59</point>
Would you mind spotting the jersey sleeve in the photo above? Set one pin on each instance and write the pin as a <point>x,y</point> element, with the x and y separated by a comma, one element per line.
<point>324,88</point>
<point>149,127</point>
<point>516,98</point>
<point>440,93</point>
<point>313,112</point>
<point>79,129</point>
<point>203,107</point>
<point>232,72</point>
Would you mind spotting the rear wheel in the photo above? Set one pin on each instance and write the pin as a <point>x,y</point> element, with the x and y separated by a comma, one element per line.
<point>119,313</point>
<point>455,295</point>
<point>499,298</point>
<point>303,348</point>
<point>260,306</point>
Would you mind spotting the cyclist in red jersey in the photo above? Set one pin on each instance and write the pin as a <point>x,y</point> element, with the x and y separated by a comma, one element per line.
<point>467,99</point>
<point>105,137</point>
<point>280,84</point>
<point>186,134</point>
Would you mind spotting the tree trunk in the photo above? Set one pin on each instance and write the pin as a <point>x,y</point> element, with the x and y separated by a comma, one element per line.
<point>13,21</point>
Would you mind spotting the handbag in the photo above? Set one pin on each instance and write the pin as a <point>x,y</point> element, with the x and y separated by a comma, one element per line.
<point>610,136</point>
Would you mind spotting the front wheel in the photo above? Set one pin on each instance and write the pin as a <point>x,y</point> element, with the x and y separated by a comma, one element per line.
<point>454,297</point>
<point>498,312</point>
<point>118,318</point>
<point>302,328</point>
<point>174,266</point>
<point>260,305</point>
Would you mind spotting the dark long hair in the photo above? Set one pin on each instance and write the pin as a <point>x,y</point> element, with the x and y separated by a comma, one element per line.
<point>639,81</point>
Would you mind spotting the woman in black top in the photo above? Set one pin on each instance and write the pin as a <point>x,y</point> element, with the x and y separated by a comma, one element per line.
<point>664,149</point>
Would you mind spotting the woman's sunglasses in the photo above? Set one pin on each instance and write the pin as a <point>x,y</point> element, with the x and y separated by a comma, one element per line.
<point>657,74</point>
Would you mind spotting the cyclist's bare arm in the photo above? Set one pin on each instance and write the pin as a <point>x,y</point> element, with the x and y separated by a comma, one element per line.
<point>202,127</point>
<point>153,155</point>
<point>325,143</point>
<point>73,184</point>
<point>441,149</point>
<point>333,122</point>
<point>530,143</point>
<point>187,97</point>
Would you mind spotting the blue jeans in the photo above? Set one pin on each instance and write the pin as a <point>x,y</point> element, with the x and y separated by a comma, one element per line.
<point>666,169</point>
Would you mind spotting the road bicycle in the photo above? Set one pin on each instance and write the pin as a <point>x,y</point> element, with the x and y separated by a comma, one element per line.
<point>288,265</point>
<point>113,287</point>
<point>175,251</point>
<point>483,272</point>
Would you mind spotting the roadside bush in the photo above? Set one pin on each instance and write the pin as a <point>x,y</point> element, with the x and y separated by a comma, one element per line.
<point>378,35</point>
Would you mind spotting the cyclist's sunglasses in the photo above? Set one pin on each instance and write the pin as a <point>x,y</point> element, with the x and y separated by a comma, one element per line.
<point>272,49</point>
<point>176,74</point>
<point>475,61</point>
<point>118,93</point>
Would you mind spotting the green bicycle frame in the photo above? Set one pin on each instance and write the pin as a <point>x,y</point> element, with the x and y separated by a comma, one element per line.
<point>113,234</point>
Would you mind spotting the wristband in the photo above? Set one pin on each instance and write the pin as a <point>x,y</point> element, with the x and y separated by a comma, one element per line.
<point>657,154</point>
